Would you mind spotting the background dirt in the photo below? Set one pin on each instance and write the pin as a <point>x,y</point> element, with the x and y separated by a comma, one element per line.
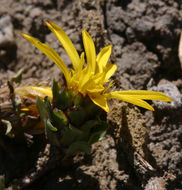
<point>143,150</point>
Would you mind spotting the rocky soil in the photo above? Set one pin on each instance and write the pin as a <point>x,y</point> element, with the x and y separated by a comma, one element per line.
<point>143,149</point>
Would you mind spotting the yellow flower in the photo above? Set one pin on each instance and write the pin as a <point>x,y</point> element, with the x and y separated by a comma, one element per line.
<point>91,79</point>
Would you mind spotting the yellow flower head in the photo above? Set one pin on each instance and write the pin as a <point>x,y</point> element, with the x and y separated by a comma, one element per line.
<point>91,79</point>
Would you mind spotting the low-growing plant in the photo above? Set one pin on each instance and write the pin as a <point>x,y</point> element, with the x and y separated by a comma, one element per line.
<point>73,115</point>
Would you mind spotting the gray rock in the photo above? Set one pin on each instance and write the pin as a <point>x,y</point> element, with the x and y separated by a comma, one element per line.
<point>35,12</point>
<point>166,130</point>
<point>154,23</point>
<point>7,41</point>
<point>156,183</point>
<point>115,21</point>
<point>138,63</point>
<point>6,32</point>
<point>143,27</point>
<point>130,34</point>
<point>172,91</point>
<point>117,40</point>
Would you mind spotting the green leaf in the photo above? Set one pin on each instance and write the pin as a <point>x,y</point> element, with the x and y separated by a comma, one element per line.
<point>59,119</point>
<point>51,133</point>
<point>79,146</point>
<point>94,126</point>
<point>65,100</point>
<point>88,125</point>
<point>2,183</point>
<point>42,109</point>
<point>48,106</point>
<point>71,134</point>
<point>50,127</point>
<point>77,117</point>
<point>91,109</point>
<point>97,136</point>
<point>55,90</point>
<point>78,100</point>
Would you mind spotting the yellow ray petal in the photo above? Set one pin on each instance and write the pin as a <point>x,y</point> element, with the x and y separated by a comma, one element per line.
<point>101,78</point>
<point>33,91</point>
<point>89,70</point>
<point>103,57</point>
<point>51,54</point>
<point>93,84</point>
<point>76,75</point>
<point>100,101</point>
<point>146,95</point>
<point>83,79</point>
<point>66,42</point>
<point>94,88</point>
<point>98,78</point>
<point>110,70</point>
<point>129,99</point>
<point>82,61</point>
<point>90,51</point>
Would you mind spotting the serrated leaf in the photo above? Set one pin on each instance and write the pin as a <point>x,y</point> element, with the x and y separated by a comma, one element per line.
<point>79,146</point>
